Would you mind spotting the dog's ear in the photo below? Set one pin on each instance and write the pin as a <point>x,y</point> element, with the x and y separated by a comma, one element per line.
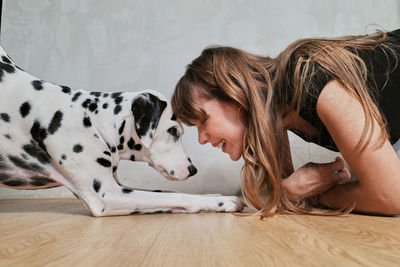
<point>147,109</point>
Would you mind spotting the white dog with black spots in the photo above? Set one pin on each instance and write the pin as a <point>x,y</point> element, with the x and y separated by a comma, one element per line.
<point>51,135</point>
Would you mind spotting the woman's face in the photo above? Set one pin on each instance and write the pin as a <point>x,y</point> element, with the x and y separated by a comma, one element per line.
<point>224,127</point>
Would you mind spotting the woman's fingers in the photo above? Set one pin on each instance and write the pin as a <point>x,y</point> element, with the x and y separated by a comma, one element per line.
<point>343,175</point>
<point>337,165</point>
<point>339,173</point>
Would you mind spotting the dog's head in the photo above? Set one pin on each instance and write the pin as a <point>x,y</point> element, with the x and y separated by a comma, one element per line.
<point>161,134</point>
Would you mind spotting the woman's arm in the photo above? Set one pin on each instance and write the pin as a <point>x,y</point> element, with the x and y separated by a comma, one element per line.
<point>313,179</point>
<point>377,167</point>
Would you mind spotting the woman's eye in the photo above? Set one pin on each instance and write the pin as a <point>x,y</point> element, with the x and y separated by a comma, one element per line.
<point>204,123</point>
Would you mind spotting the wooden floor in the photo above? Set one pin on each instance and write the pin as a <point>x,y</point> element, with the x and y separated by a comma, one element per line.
<point>60,232</point>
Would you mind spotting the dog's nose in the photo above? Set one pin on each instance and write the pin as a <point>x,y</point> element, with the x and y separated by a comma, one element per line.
<point>192,170</point>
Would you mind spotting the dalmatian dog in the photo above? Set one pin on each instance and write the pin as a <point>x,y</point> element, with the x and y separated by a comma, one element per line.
<point>52,135</point>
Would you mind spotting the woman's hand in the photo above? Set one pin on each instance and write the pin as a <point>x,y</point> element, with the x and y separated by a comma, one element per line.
<point>315,178</point>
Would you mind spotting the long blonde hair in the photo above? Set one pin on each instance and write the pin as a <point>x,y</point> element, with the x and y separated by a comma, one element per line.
<point>259,85</point>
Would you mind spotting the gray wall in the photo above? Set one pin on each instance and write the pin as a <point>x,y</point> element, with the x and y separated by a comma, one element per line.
<point>129,45</point>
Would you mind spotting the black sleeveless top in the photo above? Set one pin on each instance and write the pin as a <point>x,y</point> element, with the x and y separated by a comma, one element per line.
<point>384,89</point>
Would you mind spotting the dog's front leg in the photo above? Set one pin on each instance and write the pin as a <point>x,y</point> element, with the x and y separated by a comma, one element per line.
<point>103,196</point>
<point>130,201</point>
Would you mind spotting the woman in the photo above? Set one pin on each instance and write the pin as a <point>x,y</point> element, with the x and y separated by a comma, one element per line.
<point>339,93</point>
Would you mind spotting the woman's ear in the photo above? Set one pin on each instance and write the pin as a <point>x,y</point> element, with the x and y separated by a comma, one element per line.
<point>146,110</point>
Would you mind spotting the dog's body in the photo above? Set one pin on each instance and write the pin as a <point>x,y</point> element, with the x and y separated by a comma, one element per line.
<point>51,135</point>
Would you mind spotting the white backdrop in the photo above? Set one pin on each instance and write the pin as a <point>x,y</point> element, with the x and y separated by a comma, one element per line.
<point>127,45</point>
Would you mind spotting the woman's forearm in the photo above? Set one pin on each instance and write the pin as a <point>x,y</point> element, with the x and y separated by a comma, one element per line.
<point>346,195</point>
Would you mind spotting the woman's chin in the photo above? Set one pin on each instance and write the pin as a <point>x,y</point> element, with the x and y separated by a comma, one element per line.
<point>234,157</point>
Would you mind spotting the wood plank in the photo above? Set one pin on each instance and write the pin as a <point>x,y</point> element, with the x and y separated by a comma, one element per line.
<point>57,232</point>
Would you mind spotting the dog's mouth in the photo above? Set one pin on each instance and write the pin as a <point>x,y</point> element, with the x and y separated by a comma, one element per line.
<point>164,172</point>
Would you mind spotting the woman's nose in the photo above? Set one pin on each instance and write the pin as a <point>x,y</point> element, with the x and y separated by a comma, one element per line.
<point>203,137</point>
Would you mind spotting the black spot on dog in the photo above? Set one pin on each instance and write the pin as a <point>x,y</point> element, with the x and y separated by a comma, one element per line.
<point>132,158</point>
<point>138,147</point>
<point>76,96</point>
<point>220,204</point>
<point>104,162</point>
<point>87,122</point>
<point>105,95</point>
<point>38,85</point>
<point>172,173</point>
<point>115,95</point>
<point>103,195</point>
<point>65,89</point>
<point>131,143</point>
<point>117,109</point>
<point>189,160</point>
<point>102,210</point>
<point>15,183</point>
<point>6,59</point>
<point>92,107</point>
<point>96,185</point>
<point>5,117</point>
<point>40,181</point>
<point>7,67</point>
<point>126,190</point>
<point>118,100</point>
<point>63,156</point>
<point>113,149</point>
<point>35,151</point>
<point>121,128</point>
<point>86,103</point>
<point>107,153</point>
<point>24,109</point>
<point>173,118</point>
<point>77,148</point>
<point>95,135</point>
<point>95,93</point>
<point>121,143</point>
<point>55,122</point>
<point>7,136</point>
<point>39,134</point>
<point>105,105</point>
<point>114,169</point>
<point>18,162</point>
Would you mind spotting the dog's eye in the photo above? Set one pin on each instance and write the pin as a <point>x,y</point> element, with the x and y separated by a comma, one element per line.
<point>173,131</point>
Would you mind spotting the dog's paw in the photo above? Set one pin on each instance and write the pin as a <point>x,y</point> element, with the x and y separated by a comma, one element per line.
<point>217,203</point>
<point>228,204</point>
